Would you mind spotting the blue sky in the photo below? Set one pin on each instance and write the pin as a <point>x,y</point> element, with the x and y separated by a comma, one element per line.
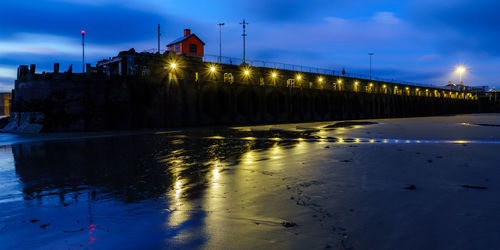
<point>414,40</point>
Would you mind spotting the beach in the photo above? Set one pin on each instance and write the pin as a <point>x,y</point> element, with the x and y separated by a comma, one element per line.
<point>409,183</point>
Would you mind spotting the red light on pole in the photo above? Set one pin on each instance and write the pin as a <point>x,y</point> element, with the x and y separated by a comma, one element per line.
<point>83,51</point>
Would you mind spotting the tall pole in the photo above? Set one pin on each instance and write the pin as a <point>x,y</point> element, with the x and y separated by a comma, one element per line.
<point>244,35</point>
<point>83,51</point>
<point>460,72</point>
<point>371,54</point>
<point>220,41</point>
<point>159,34</point>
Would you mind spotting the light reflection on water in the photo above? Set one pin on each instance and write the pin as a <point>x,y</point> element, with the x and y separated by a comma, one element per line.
<point>169,180</point>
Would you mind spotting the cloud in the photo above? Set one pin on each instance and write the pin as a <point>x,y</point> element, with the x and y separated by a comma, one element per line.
<point>459,26</point>
<point>8,72</point>
<point>42,44</point>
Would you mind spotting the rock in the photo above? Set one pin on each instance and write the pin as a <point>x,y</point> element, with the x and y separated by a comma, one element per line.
<point>288,224</point>
<point>474,187</point>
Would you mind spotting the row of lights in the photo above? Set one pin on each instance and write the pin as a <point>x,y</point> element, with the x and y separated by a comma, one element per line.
<point>173,65</point>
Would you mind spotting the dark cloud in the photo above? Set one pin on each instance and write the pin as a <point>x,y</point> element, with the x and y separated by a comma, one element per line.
<point>460,26</point>
<point>104,24</point>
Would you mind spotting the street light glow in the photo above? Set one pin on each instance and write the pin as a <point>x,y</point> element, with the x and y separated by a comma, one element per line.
<point>212,69</point>
<point>460,69</point>
<point>247,72</point>
<point>173,65</point>
<point>274,75</point>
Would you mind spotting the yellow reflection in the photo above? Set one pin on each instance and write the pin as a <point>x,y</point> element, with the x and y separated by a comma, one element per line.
<point>341,140</point>
<point>249,138</point>
<point>276,151</point>
<point>178,189</point>
<point>248,157</point>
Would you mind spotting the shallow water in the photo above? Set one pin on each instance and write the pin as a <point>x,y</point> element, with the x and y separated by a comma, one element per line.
<point>238,187</point>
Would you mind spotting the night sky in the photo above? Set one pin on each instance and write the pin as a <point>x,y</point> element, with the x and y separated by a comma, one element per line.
<point>415,40</point>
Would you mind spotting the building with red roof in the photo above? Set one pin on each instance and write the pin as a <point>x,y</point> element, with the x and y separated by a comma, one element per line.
<point>189,44</point>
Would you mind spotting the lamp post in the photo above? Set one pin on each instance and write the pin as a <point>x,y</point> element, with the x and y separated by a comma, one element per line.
<point>220,41</point>
<point>460,71</point>
<point>83,51</point>
<point>371,54</point>
<point>244,35</point>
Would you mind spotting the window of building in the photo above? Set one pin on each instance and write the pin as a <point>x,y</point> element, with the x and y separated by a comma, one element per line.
<point>192,48</point>
<point>178,47</point>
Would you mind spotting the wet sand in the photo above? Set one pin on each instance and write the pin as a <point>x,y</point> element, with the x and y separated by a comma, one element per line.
<point>415,183</point>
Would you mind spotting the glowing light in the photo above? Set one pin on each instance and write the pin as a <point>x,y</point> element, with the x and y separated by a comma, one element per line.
<point>178,189</point>
<point>460,69</point>
<point>355,83</point>
<point>371,84</point>
<point>212,69</point>
<point>385,86</point>
<point>274,75</point>
<point>339,81</point>
<point>407,88</point>
<point>320,79</point>
<point>299,77</point>
<point>247,72</point>
<point>173,65</point>
<point>83,32</point>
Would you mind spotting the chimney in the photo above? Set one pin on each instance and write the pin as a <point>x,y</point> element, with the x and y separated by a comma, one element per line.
<point>56,68</point>
<point>32,69</point>
<point>187,32</point>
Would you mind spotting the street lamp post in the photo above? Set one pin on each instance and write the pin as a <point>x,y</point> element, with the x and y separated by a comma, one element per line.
<point>83,51</point>
<point>220,41</point>
<point>244,35</point>
<point>460,71</point>
<point>371,54</point>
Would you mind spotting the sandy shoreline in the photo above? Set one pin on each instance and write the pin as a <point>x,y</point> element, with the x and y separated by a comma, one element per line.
<point>224,189</point>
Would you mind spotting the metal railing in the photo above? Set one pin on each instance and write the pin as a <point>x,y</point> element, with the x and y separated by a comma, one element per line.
<point>306,69</point>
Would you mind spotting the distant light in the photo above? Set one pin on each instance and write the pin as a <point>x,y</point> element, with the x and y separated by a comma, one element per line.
<point>212,69</point>
<point>339,81</point>
<point>320,79</point>
<point>355,83</point>
<point>83,32</point>
<point>460,69</point>
<point>371,84</point>
<point>298,77</point>
<point>385,86</point>
<point>173,65</point>
<point>407,88</point>
<point>274,75</point>
<point>418,89</point>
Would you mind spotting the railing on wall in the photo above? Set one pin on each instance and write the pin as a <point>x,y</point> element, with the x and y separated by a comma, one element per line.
<point>306,69</point>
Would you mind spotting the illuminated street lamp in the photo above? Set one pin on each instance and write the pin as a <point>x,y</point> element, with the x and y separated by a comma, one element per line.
<point>460,71</point>
<point>83,51</point>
